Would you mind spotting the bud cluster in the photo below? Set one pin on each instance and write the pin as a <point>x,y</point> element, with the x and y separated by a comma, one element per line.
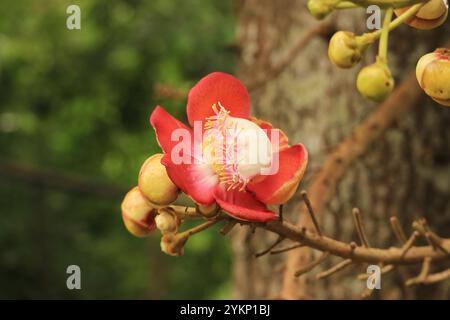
<point>375,81</point>
<point>146,206</point>
<point>149,206</point>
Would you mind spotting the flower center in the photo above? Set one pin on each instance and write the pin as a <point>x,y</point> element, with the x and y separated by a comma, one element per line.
<point>236,148</point>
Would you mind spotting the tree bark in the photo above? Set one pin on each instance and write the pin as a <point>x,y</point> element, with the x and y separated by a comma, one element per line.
<point>405,172</point>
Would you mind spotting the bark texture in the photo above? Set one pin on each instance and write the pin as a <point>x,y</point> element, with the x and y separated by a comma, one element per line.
<point>406,172</point>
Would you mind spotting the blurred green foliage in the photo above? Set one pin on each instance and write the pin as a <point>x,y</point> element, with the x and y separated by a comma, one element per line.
<point>79,101</point>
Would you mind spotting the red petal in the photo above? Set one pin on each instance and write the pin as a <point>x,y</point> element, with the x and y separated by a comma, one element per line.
<point>217,87</point>
<point>196,180</point>
<point>267,126</point>
<point>279,188</point>
<point>164,124</point>
<point>193,178</point>
<point>242,205</point>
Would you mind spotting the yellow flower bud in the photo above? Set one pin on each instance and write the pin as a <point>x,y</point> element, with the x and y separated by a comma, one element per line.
<point>173,244</point>
<point>154,182</point>
<point>319,9</point>
<point>375,81</point>
<point>430,16</point>
<point>344,50</point>
<point>433,75</point>
<point>138,214</point>
<point>167,221</point>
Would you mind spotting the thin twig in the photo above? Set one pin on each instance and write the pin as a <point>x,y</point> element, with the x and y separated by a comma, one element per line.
<point>341,265</point>
<point>227,227</point>
<point>287,249</point>
<point>201,227</point>
<point>384,270</point>
<point>432,238</point>
<point>312,264</point>
<point>431,278</point>
<point>311,212</point>
<point>425,268</point>
<point>398,230</point>
<point>280,238</point>
<point>409,243</point>
<point>420,226</point>
<point>421,278</point>
<point>438,242</point>
<point>360,227</point>
<point>185,212</point>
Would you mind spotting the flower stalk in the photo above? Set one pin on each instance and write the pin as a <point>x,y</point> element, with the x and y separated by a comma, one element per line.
<point>383,46</point>
<point>368,38</point>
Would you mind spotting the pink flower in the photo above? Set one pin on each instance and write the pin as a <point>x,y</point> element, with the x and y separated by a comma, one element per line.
<point>222,168</point>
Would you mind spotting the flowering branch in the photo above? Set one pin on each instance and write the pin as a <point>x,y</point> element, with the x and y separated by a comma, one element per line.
<point>406,254</point>
<point>393,255</point>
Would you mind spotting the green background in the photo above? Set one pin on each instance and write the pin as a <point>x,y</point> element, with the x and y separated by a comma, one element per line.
<point>74,104</point>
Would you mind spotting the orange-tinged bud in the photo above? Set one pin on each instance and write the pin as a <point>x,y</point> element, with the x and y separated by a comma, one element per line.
<point>167,221</point>
<point>375,81</point>
<point>154,182</point>
<point>433,75</point>
<point>344,49</point>
<point>430,16</point>
<point>138,214</point>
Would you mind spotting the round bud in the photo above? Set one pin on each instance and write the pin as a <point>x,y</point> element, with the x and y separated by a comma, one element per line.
<point>433,75</point>
<point>137,213</point>
<point>319,9</point>
<point>154,182</point>
<point>167,221</point>
<point>430,16</point>
<point>375,81</point>
<point>344,50</point>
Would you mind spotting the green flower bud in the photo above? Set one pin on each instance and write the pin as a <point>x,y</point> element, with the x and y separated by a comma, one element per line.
<point>375,81</point>
<point>344,50</point>
<point>433,75</point>
<point>137,213</point>
<point>319,9</point>
<point>154,182</point>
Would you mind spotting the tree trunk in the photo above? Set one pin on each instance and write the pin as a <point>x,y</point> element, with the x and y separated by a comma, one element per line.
<point>405,172</point>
